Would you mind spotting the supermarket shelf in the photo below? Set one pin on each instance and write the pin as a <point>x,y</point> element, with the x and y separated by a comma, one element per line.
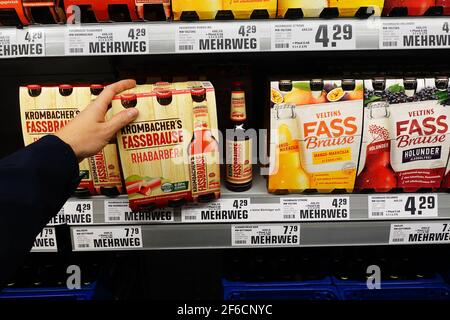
<point>270,36</point>
<point>258,197</point>
<point>218,236</point>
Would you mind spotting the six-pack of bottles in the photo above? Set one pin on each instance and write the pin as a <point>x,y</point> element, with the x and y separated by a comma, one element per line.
<point>24,12</point>
<point>377,135</point>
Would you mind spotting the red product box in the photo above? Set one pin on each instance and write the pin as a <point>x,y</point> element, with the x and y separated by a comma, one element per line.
<point>407,7</point>
<point>104,11</point>
<point>44,12</point>
<point>12,14</point>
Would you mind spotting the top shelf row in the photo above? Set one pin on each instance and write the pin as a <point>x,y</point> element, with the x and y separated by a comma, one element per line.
<point>143,38</point>
<point>25,12</point>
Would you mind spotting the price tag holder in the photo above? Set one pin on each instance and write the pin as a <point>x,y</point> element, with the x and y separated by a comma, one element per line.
<point>317,208</point>
<point>8,43</point>
<point>78,212</point>
<point>31,42</point>
<point>417,233</point>
<point>106,238</point>
<point>403,206</point>
<point>265,235</point>
<point>118,211</point>
<point>313,35</point>
<point>415,33</point>
<point>106,40</point>
<point>45,241</point>
<point>232,210</point>
<point>217,37</point>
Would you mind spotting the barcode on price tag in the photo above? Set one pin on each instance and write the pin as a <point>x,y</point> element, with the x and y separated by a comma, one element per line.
<point>45,241</point>
<point>312,35</point>
<point>417,33</point>
<point>403,206</point>
<point>265,235</point>
<point>217,37</point>
<point>104,40</point>
<point>118,211</point>
<point>317,208</point>
<point>106,238</point>
<point>416,233</point>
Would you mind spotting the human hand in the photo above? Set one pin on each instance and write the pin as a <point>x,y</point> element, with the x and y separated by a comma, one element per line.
<point>88,132</point>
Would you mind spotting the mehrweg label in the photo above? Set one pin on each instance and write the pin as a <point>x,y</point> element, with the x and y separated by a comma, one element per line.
<point>217,37</point>
<point>408,233</point>
<point>101,40</point>
<point>403,206</point>
<point>418,33</point>
<point>45,241</point>
<point>317,208</point>
<point>313,35</point>
<point>265,235</point>
<point>107,238</point>
<point>118,211</point>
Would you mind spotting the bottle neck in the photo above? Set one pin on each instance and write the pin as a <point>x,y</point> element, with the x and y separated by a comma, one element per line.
<point>201,116</point>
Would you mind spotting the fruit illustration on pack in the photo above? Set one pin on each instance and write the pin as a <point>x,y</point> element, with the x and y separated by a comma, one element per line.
<point>418,127</point>
<point>375,168</point>
<point>328,119</point>
<point>287,174</point>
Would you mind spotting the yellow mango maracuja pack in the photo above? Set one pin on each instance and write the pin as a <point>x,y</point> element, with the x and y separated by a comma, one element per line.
<point>315,135</point>
<point>208,10</point>
<point>314,8</point>
<point>46,109</point>
<point>170,153</point>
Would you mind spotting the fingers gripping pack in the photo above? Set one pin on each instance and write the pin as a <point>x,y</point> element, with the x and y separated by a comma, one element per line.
<point>406,135</point>
<point>170,153</point>
<point>315,136</point>
<point>46,109</point>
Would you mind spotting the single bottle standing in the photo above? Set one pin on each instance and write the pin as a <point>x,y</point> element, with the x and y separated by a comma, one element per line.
<point>238,145</point>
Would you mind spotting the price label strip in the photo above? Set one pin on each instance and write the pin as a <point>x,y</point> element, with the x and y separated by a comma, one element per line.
<point>31,42</point>
<point>416,233</point>
<point>217,37</point>
<point>316,208</point>
<point>78,212</point>
<point>403,206</point>
<point>8,43</point>
<point>106,238</point>
<point>105,40</point>
<point>118,211</point>
<point>265,235</point>
<point>231,210</point>
<point>313,35</point>
<point>417,33</point>
<point>45,241</point>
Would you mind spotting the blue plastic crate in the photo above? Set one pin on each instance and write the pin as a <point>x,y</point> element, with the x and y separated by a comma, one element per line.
<point>433,288</point>
<point>290,290</point>
<point>56,293</point>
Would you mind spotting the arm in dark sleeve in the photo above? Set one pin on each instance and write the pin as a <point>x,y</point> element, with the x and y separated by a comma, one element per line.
<point>35,182</point>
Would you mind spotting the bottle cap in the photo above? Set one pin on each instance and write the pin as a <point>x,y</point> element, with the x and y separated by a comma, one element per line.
<point>65,86</point>
<point>163,94</point>
<point>34,87</point>
<point>128,97</point>
<point>97,86</point>
<point>198,91</point>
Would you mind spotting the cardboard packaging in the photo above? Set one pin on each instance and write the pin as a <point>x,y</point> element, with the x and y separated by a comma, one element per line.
<point>315,135</point>
<point>12,14</point>
<point>44,12</point>
<point>169,154</point>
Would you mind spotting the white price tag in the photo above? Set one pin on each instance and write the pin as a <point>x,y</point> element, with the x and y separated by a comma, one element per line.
<point>106,238</point>
<point>407,233</point>
<point>217,37</point>
<point>403,206</point>
<point>8,43</point>
<point>265,235</point>
<point>105,40</point>
<point>415,33</point>
<point>78,212</point>
<point>118,211</point>
<point>317,208</point>
<point>31,42</point>
<point>232,210</point>
<point>313,35</point>
<point>45,241</point>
